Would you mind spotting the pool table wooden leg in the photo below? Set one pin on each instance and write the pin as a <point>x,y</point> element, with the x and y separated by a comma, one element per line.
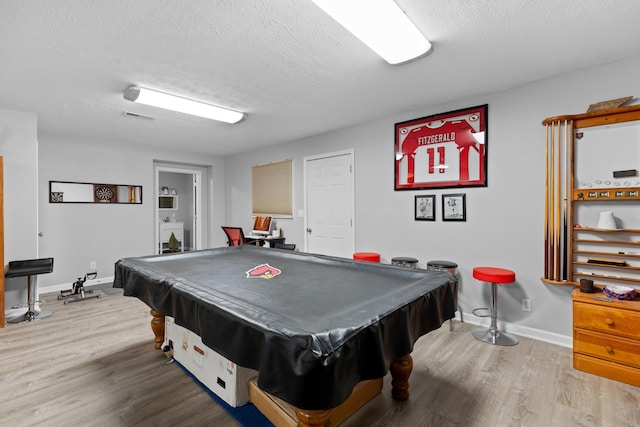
<point>157,326</point>
<point>400,371</point>
<point>311,418</point>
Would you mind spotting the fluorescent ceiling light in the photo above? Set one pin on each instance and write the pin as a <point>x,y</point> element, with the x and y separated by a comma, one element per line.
<point>381,25</point>
<point>181,105</point>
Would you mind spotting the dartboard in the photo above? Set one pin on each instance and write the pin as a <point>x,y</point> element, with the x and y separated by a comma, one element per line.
<point>104,193</point>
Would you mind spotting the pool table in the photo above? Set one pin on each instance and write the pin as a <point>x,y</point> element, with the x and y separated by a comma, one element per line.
<point>313,326</point>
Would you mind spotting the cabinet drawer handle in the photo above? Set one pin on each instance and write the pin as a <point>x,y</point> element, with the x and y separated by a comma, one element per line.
<point>609,349</point>
<point>609,322</point>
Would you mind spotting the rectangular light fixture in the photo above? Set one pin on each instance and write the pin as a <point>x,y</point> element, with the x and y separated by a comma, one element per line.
<point>182,105</point>
<point>381,25</point>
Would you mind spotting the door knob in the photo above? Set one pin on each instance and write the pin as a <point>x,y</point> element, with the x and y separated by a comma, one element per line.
<point>309,230</point>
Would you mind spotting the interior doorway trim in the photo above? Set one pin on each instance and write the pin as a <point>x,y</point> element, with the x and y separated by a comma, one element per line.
<point>197,193</point>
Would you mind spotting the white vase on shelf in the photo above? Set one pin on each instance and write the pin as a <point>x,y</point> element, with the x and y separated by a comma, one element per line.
<point>607,221</point>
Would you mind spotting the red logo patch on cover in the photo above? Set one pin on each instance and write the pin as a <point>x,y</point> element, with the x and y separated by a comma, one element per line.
<point>263,271</point>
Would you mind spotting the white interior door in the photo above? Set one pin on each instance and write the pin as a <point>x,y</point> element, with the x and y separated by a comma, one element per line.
<point>329,204</point>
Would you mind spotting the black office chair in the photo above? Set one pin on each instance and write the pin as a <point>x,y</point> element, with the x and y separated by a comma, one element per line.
<point>288,246</point>
<point>235,235</point>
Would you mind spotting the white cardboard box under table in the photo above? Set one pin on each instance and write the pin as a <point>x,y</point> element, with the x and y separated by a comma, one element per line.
<point>227,380</point>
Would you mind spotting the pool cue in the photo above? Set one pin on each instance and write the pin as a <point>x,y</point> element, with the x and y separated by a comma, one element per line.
<point>565,212</point>
<point>557,224</point>
<point>550,203</point>
<point>552,209</point>
<point>546,206</point>
<point>565,240</point>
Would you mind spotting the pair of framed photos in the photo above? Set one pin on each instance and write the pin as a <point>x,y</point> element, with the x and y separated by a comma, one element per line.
<point>454,207</point>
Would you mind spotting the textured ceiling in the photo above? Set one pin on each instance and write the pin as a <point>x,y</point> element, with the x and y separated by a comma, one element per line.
<point>292,69</point>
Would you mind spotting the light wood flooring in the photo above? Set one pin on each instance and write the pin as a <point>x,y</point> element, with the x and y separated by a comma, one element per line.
<point>93,364</point>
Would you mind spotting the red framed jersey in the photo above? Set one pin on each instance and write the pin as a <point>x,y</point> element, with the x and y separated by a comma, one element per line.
<point>447,150</point>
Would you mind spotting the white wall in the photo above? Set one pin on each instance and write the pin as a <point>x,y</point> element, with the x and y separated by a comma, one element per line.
<point>19,146</point>
<point>76,234</point>
<point>505,221</point>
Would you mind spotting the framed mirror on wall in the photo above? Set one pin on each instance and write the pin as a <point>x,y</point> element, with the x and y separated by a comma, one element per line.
<point>85,192</point>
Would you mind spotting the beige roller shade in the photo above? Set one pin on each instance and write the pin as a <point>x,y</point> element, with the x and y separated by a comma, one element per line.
<point>272,189</point>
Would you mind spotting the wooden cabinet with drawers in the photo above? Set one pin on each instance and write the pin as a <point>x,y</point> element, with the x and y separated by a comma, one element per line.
<point>606,336</point>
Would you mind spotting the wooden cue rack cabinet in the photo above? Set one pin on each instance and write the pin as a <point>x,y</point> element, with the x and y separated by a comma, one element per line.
<point>593,169</point>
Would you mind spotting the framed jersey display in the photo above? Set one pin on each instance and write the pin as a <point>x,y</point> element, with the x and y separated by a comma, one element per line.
<point>447,150</point>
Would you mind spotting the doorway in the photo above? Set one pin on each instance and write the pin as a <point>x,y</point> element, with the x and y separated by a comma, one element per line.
<point>178,203</point>
<point>329,204</point>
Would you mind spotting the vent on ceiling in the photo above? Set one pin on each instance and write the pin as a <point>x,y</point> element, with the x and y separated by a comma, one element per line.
<point>137,116</point>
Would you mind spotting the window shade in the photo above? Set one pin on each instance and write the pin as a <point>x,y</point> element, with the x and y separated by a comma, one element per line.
<point>272,189</point>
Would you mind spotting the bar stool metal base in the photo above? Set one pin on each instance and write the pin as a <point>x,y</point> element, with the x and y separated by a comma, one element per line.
<point>492,335</point>
<point>30,316</point>
<point>495,337</point>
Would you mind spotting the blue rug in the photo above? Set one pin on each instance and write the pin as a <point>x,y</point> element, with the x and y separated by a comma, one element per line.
<point>247,415</point>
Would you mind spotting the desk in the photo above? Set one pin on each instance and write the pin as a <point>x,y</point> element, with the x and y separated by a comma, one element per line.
<point>258,240</point>
<point>312,326</point>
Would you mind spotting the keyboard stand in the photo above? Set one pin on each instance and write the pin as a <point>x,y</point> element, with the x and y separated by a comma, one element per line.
<point>30,268</point>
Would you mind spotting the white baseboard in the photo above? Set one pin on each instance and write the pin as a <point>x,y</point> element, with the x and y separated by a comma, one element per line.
<point>65,286</point>
<point>525,331</point>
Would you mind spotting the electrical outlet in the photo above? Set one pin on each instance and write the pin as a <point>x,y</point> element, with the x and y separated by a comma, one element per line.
<point>526,304</point>
<point>92,266</point>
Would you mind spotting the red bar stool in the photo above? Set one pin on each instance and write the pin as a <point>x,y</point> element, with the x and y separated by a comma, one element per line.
<point>367,256</point>
<point>494,276</point>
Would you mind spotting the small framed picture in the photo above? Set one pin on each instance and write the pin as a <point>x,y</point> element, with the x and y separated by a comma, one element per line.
<point>425,208</point>
<point>454,207</point>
